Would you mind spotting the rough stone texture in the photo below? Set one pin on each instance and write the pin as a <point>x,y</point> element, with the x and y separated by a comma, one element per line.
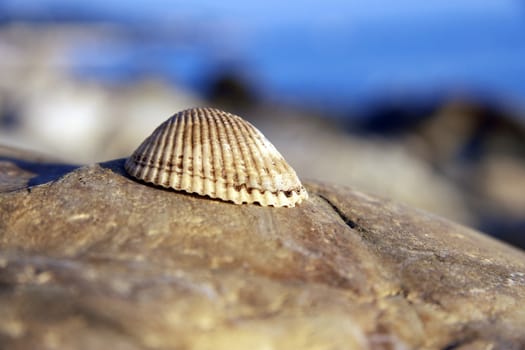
<point>90,259</point>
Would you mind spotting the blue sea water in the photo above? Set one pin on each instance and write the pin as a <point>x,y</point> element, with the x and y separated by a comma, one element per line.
<point>332,53</point>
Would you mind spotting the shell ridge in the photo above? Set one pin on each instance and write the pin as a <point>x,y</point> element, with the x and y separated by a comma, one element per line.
<point>132,162</point>
<point>238,163</point>
<point>255,151</point>
<point>207,154</point>
<point>157,152</point>
<point>197,173</point>
<point>244,149</point>
<point>177,152</point>
<point>222,159</point>
<point>167,142</point>
<point>150,152</point>
<point>225,153</point>
<point>139,153</point>
<point>254,181</point>
<point>217,159</point>
<point>229,156</point>
<point>267,163</point>
<point>185,182</point>
<point>251,183</point>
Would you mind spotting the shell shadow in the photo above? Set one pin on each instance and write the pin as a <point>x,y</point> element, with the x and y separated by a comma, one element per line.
<point>116,166</point>
<point>41,172</point>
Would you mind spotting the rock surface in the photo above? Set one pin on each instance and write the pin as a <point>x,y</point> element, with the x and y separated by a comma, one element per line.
<point>90,258</point>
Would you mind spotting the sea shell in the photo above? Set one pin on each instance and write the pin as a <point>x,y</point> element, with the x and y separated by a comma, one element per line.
<point>216,154</point>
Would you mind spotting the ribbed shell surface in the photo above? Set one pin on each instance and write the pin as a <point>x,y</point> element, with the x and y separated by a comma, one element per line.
<point>216,154</point>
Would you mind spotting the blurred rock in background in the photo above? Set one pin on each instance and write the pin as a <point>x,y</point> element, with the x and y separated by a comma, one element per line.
<point>482,149</point>
<point>45,107</point>
<point>476,146</point>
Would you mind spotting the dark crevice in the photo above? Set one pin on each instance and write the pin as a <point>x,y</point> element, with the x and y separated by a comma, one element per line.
<point>350,223</point>
<point>464,337</point>
<point>455,344</point>
<point>42,172</point>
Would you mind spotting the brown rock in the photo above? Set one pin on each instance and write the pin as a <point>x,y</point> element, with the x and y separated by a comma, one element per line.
<point>93,259</point>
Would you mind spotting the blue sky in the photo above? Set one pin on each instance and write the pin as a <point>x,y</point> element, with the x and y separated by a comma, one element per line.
<point>340,51</point>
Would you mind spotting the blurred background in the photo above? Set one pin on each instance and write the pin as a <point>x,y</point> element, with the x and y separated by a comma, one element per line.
<point>422,102</point>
